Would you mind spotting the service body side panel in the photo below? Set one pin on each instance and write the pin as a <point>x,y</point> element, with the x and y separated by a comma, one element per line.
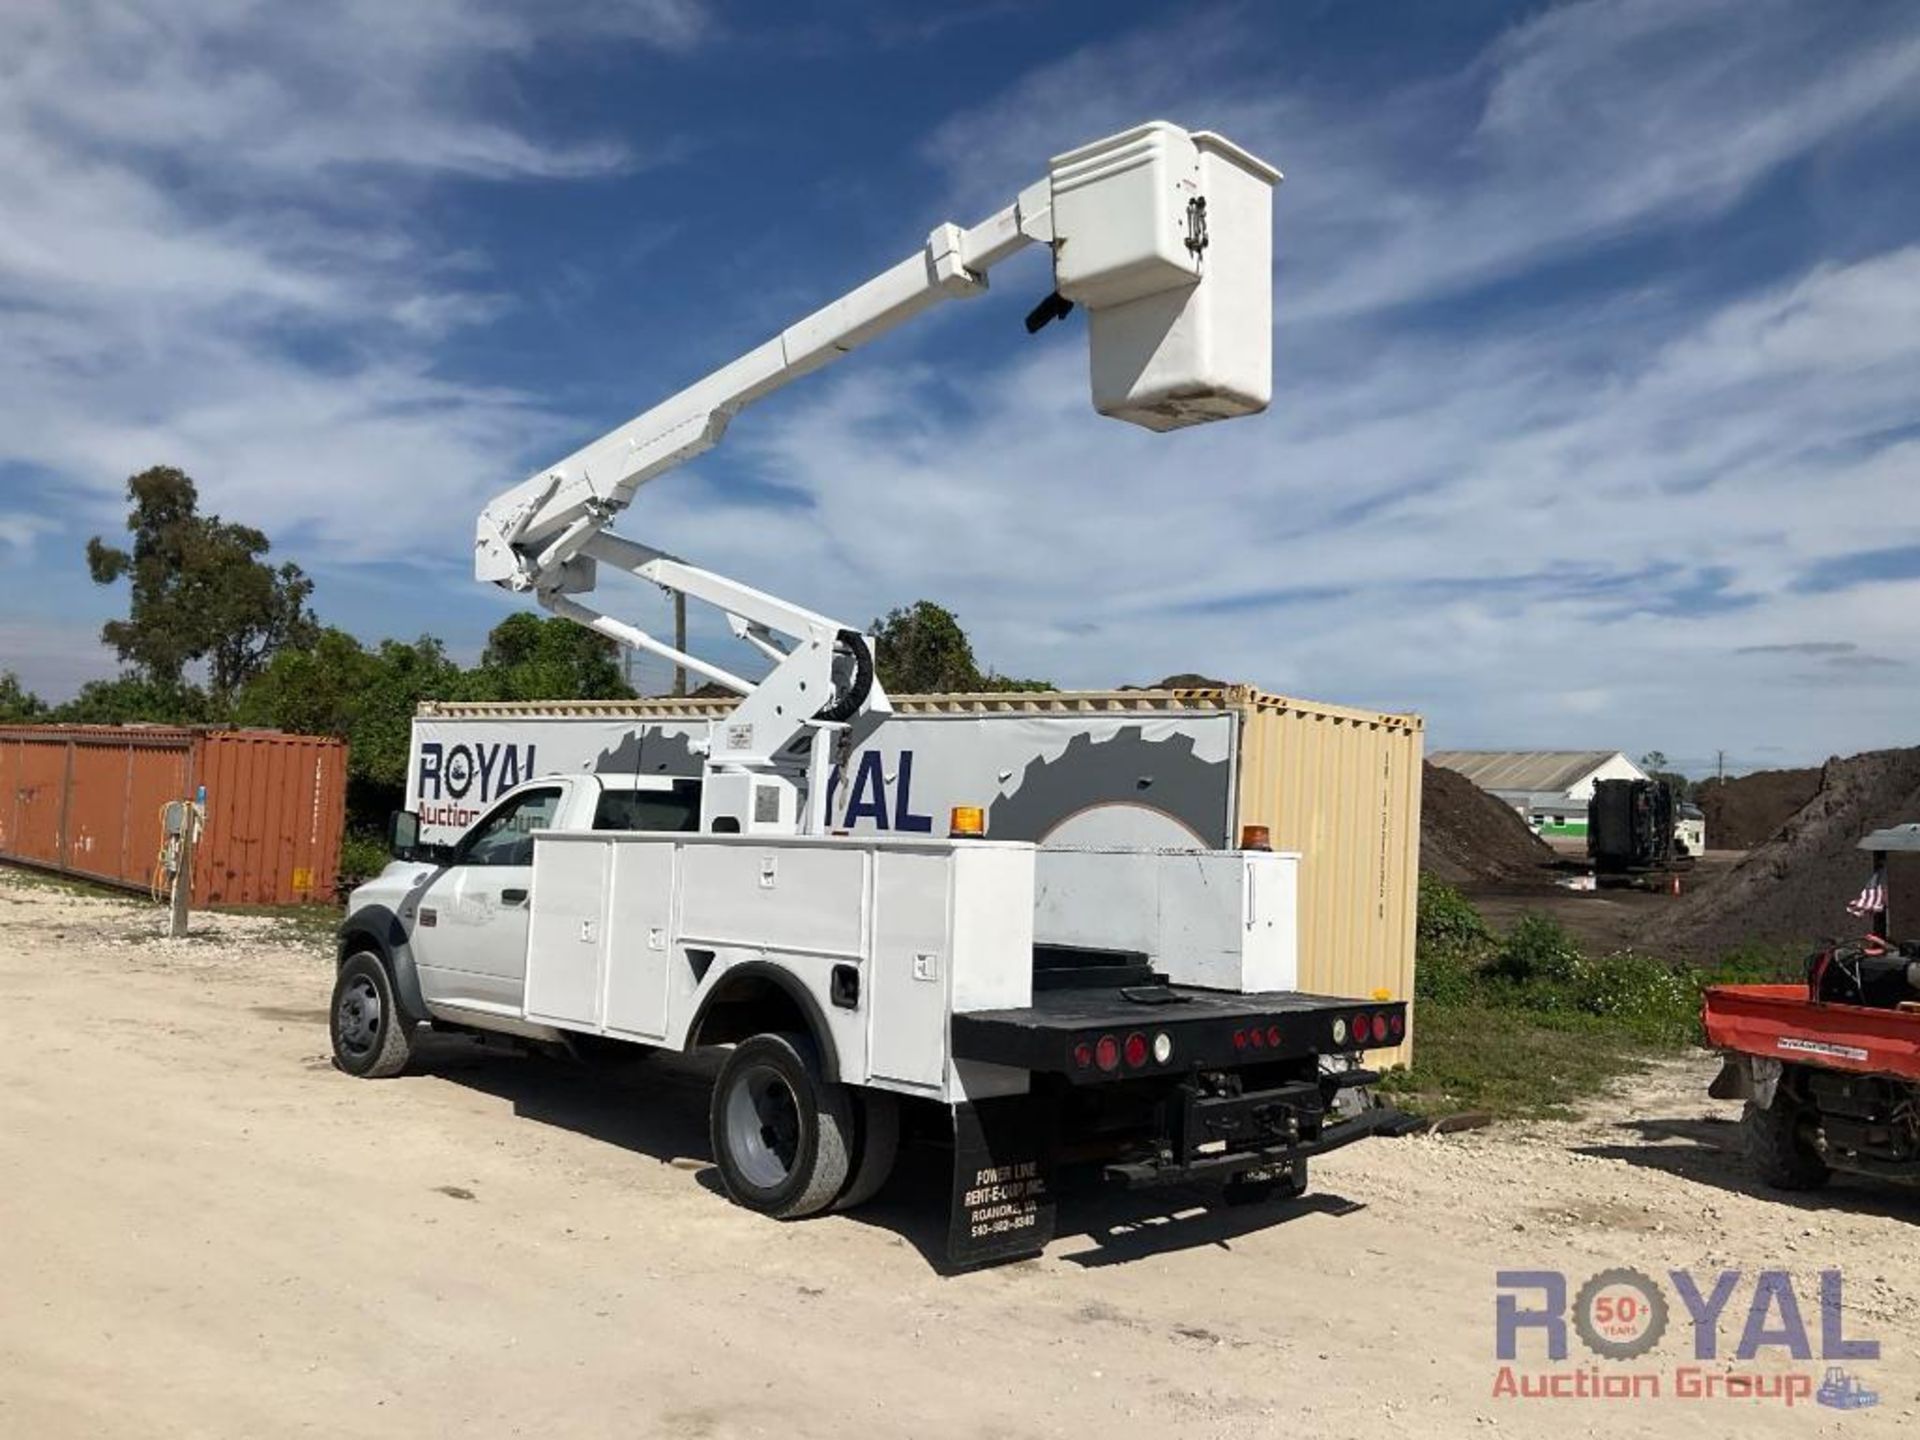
<point>630,932</point>
<point>912,963</point>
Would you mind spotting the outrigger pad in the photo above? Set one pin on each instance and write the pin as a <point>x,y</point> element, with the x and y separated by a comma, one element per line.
<point>1002,1206</point>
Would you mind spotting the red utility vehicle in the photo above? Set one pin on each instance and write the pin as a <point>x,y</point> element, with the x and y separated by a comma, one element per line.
<point>1830,1069</point>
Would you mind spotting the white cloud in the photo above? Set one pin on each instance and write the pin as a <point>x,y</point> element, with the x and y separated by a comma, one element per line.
<point>1585,122</point>
<point>1555,525</point>
<point>189,188</point>
<point>19,531</point>
<point>1567,532</point>
<point>55,658</point>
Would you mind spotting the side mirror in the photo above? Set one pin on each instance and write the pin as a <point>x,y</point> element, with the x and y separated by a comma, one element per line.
<point>403,835</point>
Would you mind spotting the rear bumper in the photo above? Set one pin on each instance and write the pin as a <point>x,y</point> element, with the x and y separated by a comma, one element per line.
<point>1229,1162</point>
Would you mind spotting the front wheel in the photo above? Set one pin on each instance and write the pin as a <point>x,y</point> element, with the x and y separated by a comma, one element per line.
<point>782,1133</point>
<point>371,1037</point>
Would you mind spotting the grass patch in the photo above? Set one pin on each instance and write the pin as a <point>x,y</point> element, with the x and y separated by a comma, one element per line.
<point>1526,1023</point>
<point>1467,1057</point>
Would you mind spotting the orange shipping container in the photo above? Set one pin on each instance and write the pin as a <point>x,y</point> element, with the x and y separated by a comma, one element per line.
<point>87,801</point>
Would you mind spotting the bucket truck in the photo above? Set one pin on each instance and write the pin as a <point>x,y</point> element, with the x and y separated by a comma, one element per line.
<point>1135,1009</point>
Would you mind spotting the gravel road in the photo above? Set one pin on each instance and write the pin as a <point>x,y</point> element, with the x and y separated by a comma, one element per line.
<point>205,1230</point>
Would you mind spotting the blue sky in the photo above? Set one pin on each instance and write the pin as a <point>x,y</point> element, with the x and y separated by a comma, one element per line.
<point>1597,404</point>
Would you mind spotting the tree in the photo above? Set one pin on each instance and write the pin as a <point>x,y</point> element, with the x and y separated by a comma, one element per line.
<point>534,657</point>
<point>337,686</point>
<point>132,699</point>
<point>1655,763</point>
<point>18,705</point>
<point>921,650</point>
<point>200,590</point>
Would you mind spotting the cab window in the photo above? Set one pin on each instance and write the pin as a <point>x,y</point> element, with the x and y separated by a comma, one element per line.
<point>506,836</point>
<point>675,811</point>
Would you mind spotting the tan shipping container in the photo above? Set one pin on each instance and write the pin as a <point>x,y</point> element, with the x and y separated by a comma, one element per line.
<point>87,800</point>
<point>1339,785</point>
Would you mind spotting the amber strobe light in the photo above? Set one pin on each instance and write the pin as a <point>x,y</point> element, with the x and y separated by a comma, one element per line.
<point>1256,837</point>
<point>967,822</point>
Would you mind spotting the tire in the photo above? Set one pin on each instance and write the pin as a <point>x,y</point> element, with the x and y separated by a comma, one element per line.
<point>782,1134</point>
<point>1242,1191</point>
<point>877,1117</point>
<point>372,1036</point>
<point>1778,1151</point>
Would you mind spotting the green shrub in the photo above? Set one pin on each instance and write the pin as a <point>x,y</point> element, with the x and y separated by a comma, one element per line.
<point>1447,920</point>
<point>1450,943</point>
<point>1538,949</point>
<point>362,857</point>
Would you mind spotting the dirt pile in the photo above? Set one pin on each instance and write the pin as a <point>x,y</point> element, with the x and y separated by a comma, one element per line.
<point>1744,812</point>
<point>1796,886</point>
<point>1467,837</point>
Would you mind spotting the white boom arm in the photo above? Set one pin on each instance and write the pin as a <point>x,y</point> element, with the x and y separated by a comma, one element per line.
<point>1164,235</point>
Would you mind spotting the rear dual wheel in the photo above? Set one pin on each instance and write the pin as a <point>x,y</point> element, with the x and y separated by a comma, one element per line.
<point>788,1141</point>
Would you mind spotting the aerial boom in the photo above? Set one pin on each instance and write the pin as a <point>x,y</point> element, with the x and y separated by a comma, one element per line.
<point>1164,235</point>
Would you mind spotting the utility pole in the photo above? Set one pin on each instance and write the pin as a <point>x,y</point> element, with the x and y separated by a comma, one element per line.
<point>191,810</point>
<point>1720,766</point>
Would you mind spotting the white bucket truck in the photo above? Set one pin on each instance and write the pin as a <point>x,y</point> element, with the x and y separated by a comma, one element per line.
<point>1134,1008</point>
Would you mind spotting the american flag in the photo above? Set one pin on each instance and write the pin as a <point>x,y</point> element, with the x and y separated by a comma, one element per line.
<point>1873,899</point>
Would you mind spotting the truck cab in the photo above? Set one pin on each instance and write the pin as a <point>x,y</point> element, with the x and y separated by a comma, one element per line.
<point>459,912</point>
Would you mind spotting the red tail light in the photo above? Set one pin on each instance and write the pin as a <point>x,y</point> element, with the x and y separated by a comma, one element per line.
<point>1136,1050</point>
<point>1106,1054</point>
<point>1256,1037</point>
<point>1239,1039</point>
<point>1273,1036</point>
<point>1398,1025</point>
<point>1083,1055</point>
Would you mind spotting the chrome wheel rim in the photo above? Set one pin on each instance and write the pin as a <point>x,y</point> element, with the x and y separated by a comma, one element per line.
<point>763,1127</point>
<point>357,1017</point>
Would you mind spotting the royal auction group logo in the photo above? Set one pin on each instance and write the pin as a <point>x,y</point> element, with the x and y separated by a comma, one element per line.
<point>1747,1337</point>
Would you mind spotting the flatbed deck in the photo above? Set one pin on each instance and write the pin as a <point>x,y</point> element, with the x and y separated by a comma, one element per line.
<point>1055,1033</point>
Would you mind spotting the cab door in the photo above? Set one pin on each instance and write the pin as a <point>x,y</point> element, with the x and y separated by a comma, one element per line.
<point>470,930</point>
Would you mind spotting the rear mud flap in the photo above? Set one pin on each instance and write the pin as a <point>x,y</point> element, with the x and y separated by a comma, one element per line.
<point>1747,1077</point>
<point>1002,1205</point>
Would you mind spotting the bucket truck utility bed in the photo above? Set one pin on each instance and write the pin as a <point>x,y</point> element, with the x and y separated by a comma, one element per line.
<point>1125,1006</point>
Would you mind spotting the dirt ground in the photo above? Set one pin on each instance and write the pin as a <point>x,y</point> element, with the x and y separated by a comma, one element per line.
<point>1614,918</point>
<point>205,1230</point>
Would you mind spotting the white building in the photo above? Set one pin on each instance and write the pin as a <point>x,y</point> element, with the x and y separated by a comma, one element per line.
<point>1550,788</point>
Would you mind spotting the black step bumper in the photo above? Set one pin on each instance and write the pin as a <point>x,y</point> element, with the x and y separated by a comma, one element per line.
<point>1225,1163</point>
